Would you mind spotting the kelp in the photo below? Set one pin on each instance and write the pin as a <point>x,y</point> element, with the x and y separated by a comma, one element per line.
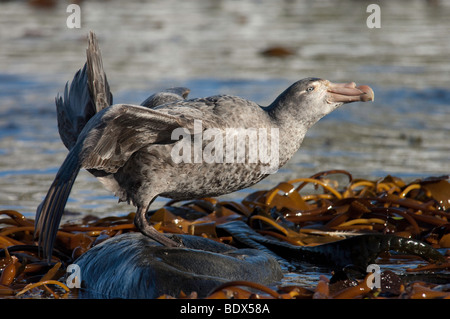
<point>306,212</point>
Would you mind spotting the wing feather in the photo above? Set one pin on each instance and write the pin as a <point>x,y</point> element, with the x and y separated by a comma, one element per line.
<point>120,130</point>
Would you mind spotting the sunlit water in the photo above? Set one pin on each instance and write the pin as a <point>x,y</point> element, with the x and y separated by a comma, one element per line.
<point>214,47</point>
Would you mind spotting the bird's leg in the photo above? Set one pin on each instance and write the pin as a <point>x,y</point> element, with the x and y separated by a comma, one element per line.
<point>148,230</point>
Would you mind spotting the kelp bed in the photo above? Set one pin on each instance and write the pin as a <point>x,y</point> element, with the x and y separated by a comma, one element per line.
<point>304,211</point>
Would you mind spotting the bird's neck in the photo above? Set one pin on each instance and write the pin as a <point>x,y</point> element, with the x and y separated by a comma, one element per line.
<point>291,127</point>
<point>285,113</point>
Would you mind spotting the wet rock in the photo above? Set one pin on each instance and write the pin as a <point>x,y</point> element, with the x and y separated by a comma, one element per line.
<point>134,266</point>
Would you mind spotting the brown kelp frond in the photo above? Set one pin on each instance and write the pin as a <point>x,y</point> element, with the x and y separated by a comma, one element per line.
<point>304,212</point>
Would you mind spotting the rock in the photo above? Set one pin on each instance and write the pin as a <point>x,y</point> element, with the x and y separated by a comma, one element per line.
<point>134,266</point>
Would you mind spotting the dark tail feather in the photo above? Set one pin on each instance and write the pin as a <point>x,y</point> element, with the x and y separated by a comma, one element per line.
<point>49,213</point>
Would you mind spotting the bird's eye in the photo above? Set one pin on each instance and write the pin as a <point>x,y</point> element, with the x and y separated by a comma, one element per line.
<point>309,89</point>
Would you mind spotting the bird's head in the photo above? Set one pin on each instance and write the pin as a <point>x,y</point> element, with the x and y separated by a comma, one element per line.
<point>312,98</point>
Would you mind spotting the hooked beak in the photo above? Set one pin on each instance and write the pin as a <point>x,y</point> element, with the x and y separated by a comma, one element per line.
<point>348,92</point>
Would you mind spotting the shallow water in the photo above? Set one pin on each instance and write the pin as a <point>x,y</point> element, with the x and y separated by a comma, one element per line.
<point>214,47</point>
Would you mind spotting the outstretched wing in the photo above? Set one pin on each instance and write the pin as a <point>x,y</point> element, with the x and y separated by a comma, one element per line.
<point>88,94</point>
<point>114,134</point>
<point>98,84</point>
<point>170,95</point>
<point>74,109</point>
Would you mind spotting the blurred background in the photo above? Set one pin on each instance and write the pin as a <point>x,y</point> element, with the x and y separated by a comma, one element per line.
<point>254,49</point>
